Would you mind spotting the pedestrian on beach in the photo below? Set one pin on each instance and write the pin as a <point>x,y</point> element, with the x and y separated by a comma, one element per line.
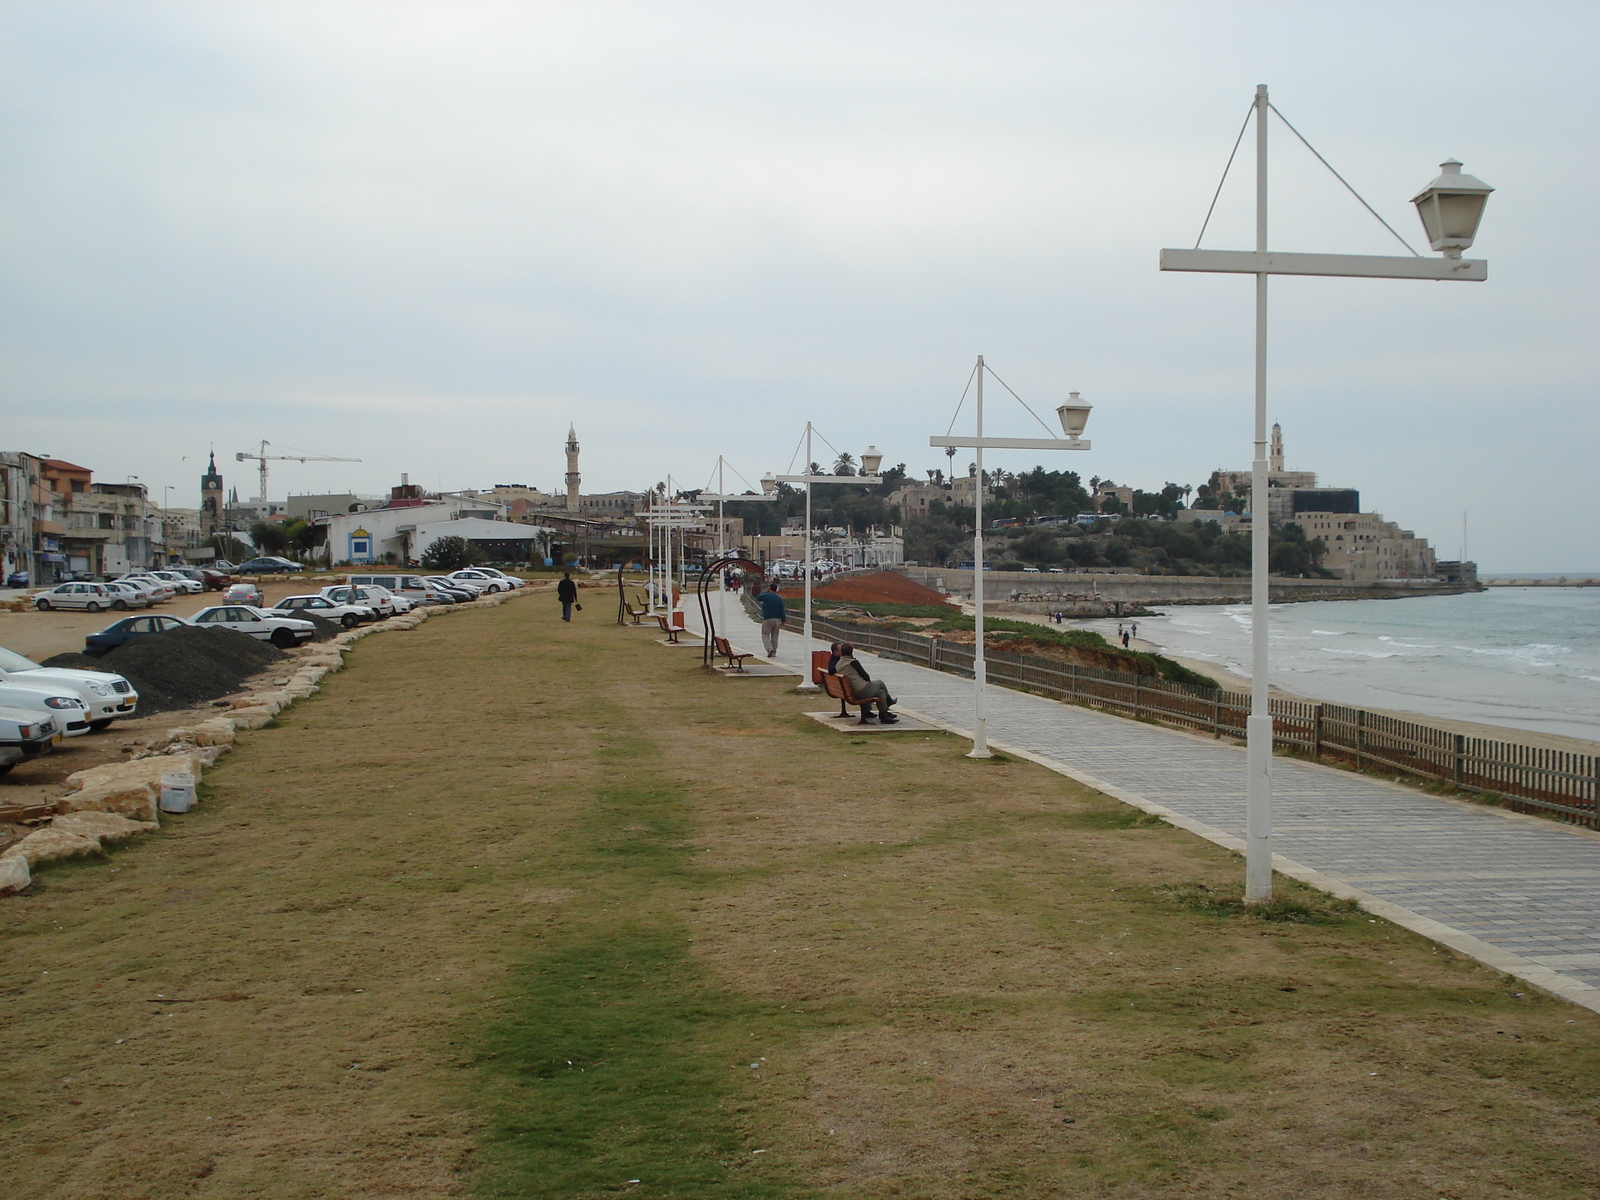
<point>772,617</point>
<point>863,686</point>
<point>1136,629</point>
<point>1125,640</point>
<point>567,593</point>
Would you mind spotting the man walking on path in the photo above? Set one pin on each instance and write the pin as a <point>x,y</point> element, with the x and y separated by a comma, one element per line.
<point>567,593</point>
<point>772,617</point>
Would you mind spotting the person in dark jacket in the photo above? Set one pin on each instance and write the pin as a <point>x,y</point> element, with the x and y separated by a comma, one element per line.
<point>772,617</point>
<point>567,593</point>
<point>862,685</point>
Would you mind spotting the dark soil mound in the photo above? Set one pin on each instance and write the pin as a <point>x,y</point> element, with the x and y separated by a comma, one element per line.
<point>884,587</point>
<point>325,628</point>
<point>181,667</point>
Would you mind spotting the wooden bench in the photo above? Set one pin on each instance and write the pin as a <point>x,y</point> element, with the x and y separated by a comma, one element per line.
<point>838,687</point>
<point>735,660</point>
<point>637,614</point>
<point>668,628</point>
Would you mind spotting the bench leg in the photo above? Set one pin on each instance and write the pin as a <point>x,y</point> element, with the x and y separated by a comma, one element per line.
<point>843,711</point>
<point>865,709</point>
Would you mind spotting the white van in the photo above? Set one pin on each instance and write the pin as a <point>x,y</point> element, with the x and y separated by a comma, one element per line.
<point>401,583</point>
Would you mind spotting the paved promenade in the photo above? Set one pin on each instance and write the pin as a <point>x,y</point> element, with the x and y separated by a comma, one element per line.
<point>1516,892</point>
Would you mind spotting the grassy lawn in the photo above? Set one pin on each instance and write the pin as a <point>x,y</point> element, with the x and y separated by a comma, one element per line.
<point>522,909</point>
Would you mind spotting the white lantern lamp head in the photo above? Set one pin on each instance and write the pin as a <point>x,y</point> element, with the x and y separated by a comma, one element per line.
<point>1074,415</point>
<point>871,460</point>
<point>769,483</point>
<point>1451,207</point>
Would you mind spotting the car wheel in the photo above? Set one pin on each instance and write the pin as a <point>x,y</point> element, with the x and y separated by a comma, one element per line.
<point>42,604</point>
<point>98,726</point>
<point>119,606</point>
<point>92,606</point>
<point>282,639</point>
<point>349,620</point>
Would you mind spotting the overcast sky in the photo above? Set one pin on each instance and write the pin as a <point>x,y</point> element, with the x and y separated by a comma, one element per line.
<point>430,235</point>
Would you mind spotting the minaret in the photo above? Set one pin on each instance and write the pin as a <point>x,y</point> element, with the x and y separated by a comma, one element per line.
<point>1275,460</point>
<point>572,469</point>
<point>211,498</point>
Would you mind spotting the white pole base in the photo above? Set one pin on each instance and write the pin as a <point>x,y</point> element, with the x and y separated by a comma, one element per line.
<point>807,688</point>
<point>1258,814</point>
<point>979,752</point>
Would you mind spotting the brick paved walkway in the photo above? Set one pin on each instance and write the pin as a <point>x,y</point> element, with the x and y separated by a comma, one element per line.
<point>1516,892</point>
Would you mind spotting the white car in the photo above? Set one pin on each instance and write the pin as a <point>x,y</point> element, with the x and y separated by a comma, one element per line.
<point>244,593</point>
<point>45,700</point>
<point>348,615</point>
<point>24,734</point>
<point>162,589</point>
<point>91,597</point>
<point>106,696</point>
<point>380,600</point>
<point>499,574</point>
<point>482,579</point>
<point>127,594</point>
<point>282,632</point>
<point>182,583</point>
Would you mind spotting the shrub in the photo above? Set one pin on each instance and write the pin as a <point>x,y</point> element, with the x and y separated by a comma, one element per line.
<point>451,554</point>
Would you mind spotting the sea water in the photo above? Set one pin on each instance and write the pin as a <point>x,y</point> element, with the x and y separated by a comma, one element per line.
<point>1528,658</point>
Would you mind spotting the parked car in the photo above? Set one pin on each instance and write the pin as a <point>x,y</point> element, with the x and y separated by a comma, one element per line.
<point>25,734</point>
<point>514,581</point>
<point>348,615</point>
<point>215,578</point>
<point>105,696</point>
<point>269,564</point>
<point>159,587</point>
<point>180,581</point>
<point>464,588</point>
<point>434,594</point>
<point>91,597</point>
<point>1056,571</point>
<point>120,633</point>
<point>375,598</point>
<point>402,583</point>
<point>243,593</point>
<point>482,579</point>
<point>131,593</point>
<point>282,632</point>
<point>47,701</point>
<point>17,579</point>
<point>402,604</point>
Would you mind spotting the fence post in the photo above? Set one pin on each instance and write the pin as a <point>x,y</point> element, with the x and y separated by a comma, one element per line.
<point>1361,738</point>
<point>1459,773</point>
<point>1316,732</point>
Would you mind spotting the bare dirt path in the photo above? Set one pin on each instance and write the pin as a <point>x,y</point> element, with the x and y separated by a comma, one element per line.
<point>522,908</point>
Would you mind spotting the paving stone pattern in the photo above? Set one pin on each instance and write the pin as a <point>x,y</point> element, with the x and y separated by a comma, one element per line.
<point>1524,886</point>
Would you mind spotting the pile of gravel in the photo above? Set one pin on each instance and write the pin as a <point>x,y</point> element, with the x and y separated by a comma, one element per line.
<point>182,666</point>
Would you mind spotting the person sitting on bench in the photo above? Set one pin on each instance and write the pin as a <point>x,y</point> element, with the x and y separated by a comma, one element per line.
<point>863,686</point>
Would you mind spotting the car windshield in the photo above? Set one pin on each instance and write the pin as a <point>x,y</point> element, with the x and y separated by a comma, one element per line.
<point>10,661</point>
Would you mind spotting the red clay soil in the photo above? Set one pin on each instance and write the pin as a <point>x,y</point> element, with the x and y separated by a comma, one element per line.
<point>883,587</point>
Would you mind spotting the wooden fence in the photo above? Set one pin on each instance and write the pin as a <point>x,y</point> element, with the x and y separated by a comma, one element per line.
<point>1556,783</point>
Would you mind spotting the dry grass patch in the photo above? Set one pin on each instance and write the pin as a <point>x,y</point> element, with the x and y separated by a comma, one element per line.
<point>531,909</point>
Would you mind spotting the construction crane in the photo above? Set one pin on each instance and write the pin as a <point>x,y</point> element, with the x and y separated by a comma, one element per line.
<point>261,456</point>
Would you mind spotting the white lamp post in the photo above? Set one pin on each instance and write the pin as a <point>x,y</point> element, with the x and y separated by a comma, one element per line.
<point>1450,207</point>
<point>870,461</point>
<point>1074,415</point>
<point>768,496</point>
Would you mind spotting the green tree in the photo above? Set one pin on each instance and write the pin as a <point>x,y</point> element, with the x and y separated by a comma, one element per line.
<point>451,554</point>
<point>270,537</point>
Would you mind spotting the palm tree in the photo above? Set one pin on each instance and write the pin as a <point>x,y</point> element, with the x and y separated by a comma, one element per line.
<point>845,464</point>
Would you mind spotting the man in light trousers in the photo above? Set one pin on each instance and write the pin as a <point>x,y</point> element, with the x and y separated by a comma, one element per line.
<point>772,617</point>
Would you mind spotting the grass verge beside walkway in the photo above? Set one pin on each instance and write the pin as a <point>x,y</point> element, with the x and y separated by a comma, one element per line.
<point>520,908</point>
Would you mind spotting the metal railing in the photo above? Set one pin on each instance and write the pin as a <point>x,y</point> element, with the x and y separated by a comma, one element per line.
<point>1557,783</point>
